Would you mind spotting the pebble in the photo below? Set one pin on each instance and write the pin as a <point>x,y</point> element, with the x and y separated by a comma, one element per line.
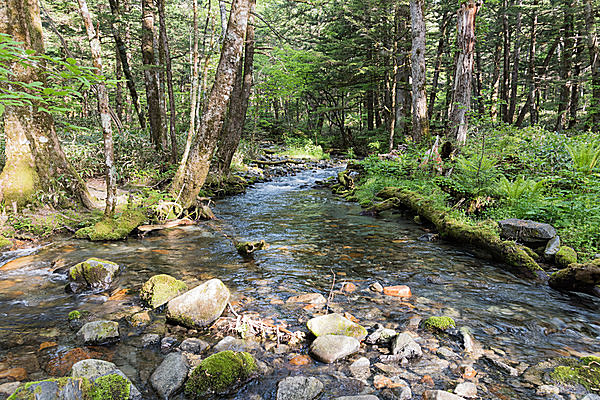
<point>397,291</point>
<point>15,374</point>
<point>150,339</point>
<point>404,346</point>
<point>466,389</point>
<point>299,388</point>
<point>310,298</point>
<point>348,287</point>
<point>234,344</point>
<point>376,287</point>
<point>330,348</point>
<point>360,397</point>
<point>546,390</point>
<point>300,359</point>
<point>381,335</point>
<point>361,368</point>
<point>193,345</point>
<point>440,395</point>
<point>6,389</point>
<point>167,343</point>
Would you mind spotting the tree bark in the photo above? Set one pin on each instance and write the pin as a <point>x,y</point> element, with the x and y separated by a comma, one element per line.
<point>530,104</point>
<point>505,83</point>
<point>103,105</point>
<point>119,87</point>
<point>515,71</point>
<point>238,105</point>
<point>438,60</point>
<point>594,53</point>
<point>420,128</point>
<point>461,104</point>
<point>575,89</point>
<point>187,184</point>
<point>151,74</point>
<point>566,57</point>
<point>34,157</point>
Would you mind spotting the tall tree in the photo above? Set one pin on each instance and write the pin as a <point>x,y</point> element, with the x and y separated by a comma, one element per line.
<point>103,105</point>
<point>189,181</point>
<point>594,53</point>
<point>166,55</point>
<point>514,80</point>
<point>420,128</point>
<point>34,157</point>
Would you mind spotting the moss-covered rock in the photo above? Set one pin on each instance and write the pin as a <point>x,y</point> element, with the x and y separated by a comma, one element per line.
<point>159,289</point>
<point>565,256</point>
<point>220,373</point>
<point>585,371</point>
<point>335,324</point>
<point>4,242</point>
<point>109,387</point>
<point>93,273</point>
<point>52,389</point>
<point>73,315</point>
<point>113,228</point>
<point>578,278</point>
<point>439,323</point>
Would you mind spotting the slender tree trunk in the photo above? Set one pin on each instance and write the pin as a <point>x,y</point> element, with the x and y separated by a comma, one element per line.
<point>119,86</point>
<point>420,128</point>
<point>495,82</point>
<point>238,105</point>
<point>438,60</point>
<point>461,104</point>
<point>594,53</point>
<point>516,60</point>
<point>122,52</point>
<point>103,105</point>
<point>566,57</point>
<point>169,78</point>
<point>151,74</point>
<point>186,185</point>
<point>575,89</point>
<point>504,85</point>
<point>34,157</point>
<point>530,104</point>
<point>223,14</point>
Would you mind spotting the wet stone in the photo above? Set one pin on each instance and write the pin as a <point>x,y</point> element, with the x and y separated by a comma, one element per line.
<point>200,306</point>
<point>359,397</point>
<point>361,368</point>
<point>404,346</point>
<point>193,345</point>
<point>440,395</point>
<point>299,388</point>
<point>466,389</point>
<point>234,344</point>
<point>99,332</point>
<point>170,375</point>
<point>526,231</point>
<point>150,339</point>
<point>310,298</point>
<point>381,335</point>
<point>330,348</point>
<point>167,344</point>
<point>335,324</point>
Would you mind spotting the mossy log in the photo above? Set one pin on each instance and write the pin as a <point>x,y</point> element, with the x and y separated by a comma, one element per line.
<point>247,248</point>
<point>482,236</point>
<point>113,228</point>
<point>381,206</point>
<point>583,278</point>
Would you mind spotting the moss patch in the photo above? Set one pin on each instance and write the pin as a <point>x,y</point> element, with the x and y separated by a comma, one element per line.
<point>220,373</point>
<point>585,372</point>
<point>108,387</point>
<point>113,229</point>
<point>74,315</point>
<point>20,181</point>
<point>159,289</point>
<point>565,256</point>
<point>439,323</point>
<point>4,242</point>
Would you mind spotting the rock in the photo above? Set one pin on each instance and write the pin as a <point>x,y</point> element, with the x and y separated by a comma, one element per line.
<point>167,343</point>
<point>335,324</point>
<point>376,287</point>
<point>14,374</point>
<point>150,339</point>
<point>565,256</point>
<point>99,332</point>
<point>299,388</point>
<point>200,306</point>
<point>170,375</point>
<point>140,319</point>
<point>578,278</point>
<point>234,344</point>
<point>311,298</point>
<point>405,346</point>
<point>193,345</point>
<point>439,323</point>
<point>348,287</point>
<point>51,389</point>
<point>397,291</point>
<point>440,395</point>
<point>330,348</point>
<point>526,231</point>
<point>159,289</point>
<point>94,274</point>
<point>93,369</point>
<point>547,390</point>
<point>360,397</point>
<point>300,359</point>
<point>381,335</point>
<point>220,373</point>
<point>552,248</point>
<point>361,368</point>
<point>591,396</point>
<point>466,389</point>
<point>6,389</point>
<point>62,363</point>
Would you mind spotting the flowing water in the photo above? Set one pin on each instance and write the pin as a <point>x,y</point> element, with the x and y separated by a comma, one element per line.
<point>312,234</point>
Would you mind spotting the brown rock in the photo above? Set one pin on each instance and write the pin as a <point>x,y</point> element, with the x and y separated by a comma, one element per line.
<point>300,360</point>
<point>469,373</point>
<point>311,298</point>
<point>348,287</point>
<point>61,364</point>
<point>397,291</point>
<point>427,380</point>
<point>46,345</point>
<point>14,374</point>
<point>381,382</point>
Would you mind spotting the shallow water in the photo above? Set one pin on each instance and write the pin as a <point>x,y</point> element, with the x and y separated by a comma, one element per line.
<point>311,234</point>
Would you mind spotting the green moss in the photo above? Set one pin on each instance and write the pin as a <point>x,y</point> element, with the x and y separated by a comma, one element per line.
<point>74,315</point>
<point>109,387</point>
<point>585,372</point>
<point>31,390</point>
<point>565,256</point>
<point>113,229</point>
<point>4,242</point>
<point>439,323</point>
<point>220,373</point>
<point>159,289</point>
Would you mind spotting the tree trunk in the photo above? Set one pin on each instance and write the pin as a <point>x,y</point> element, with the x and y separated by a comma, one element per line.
<point>531,84</point>
<point>465,43</point>
<point>169,72</point>
<point>103,105</point>
<point>34,157</point>
<point>575,89</point>
<point>122,52</point>
<point>238,105</point>
<point>119,87</point>
<point>495,82</point>
<point>566,57</point>
<point>403,100</point>
<point>504,85</point>
<point>515,72</point>
<point>438,60</point>
<point>187,184</point>
<point>420,128</point>
<point>593,48</point>
<point>151,74</point>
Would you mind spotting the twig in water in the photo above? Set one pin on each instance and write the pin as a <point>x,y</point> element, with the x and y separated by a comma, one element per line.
<point>330,297</point>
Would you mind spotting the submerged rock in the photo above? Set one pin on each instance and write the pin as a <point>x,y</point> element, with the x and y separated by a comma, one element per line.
<point>159,289</point>
<point>94,274</point>
<point>193,345</point>
<point>381,335</point>
<point>299,388</point>
<point>440,395</point>
<point>466,389</point>
<point>220,373</point>
<point>439,323</point>
<point>359,397</point>
<point>404,346</point>
<point>361,368</point>
<point>335,324</point>
<point>200,306</point>
<point>330,348</point>
<point>103,374</point>
<point>99,332</point>
<point>526,231</point>
<point>310,298</point>
<point>170,375</point>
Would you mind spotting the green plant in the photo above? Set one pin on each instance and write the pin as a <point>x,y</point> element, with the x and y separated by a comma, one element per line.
<point>519,188</point>
<point>584,155</point>
<point>476,175</point>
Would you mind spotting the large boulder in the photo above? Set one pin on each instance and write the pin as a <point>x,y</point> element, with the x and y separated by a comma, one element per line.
<point>170,375</point>
<point>56,388</point>
<point>526,231</point>
<point>335,324</point>
<point>99,332</point>
<point>299,388</point>
<point>102,373</point>
<point>200,306</point>
<point>94,274</point>
<point>330,348</point>
<point>220,373</point>
<point>159,289</point>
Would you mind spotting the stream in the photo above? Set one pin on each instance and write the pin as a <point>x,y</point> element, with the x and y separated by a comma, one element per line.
<point>312,234</point>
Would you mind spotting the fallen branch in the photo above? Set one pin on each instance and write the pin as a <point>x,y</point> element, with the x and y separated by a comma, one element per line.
<point>170,224</point>
<point>278,162</point>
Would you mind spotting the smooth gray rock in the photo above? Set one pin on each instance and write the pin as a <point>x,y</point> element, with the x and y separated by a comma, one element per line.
<point>50,389</point>
<point>466,389</point>
<point>6,389</point>
<point>361,368</point>
<point>94,274</point>
<point>335,324</point>
<point>193,345</point>
<point>234,344</point>
<point>526,231</point>
<point>591,396</point>
<point>99,332</point>
<point>299,388</point>
<point>150,339</point>
<point>330,348</point>
<point>93,369</point>
<point>360,397</point>
<point>170,375</point>
<point>552,247</point>
<point>405,346</point>
<point>440,395</point>
<point>381,335</point>
<point>200,306</point>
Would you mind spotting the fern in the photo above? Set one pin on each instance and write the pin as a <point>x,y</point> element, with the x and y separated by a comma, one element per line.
<point>585,156</point>
<point>519,188</point>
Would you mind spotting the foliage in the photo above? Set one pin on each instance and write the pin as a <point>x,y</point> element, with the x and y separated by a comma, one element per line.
<point>304,149</point>
<point>585,156</point>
